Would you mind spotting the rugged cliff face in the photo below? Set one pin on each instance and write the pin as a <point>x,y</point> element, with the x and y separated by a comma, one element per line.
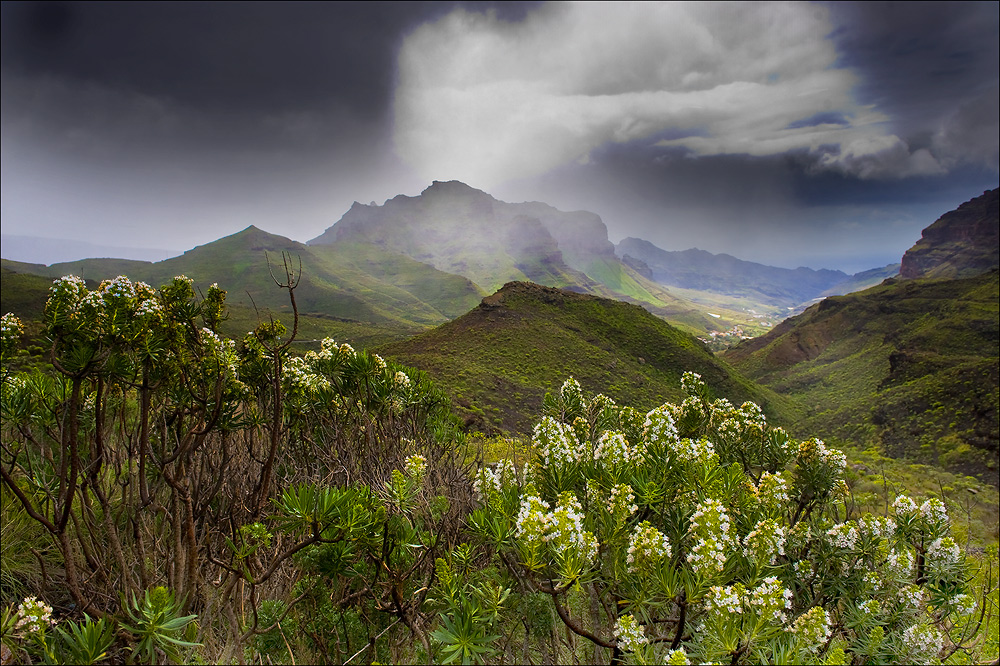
<point>961,243</point>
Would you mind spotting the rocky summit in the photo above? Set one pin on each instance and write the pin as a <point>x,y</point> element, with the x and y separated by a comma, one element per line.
<point>961,243</point>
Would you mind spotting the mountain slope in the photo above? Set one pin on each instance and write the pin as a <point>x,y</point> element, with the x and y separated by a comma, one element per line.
<point>962,242</point>
<point>498,360</point>
<point>465,231</point>
<point>908,366</point>
<point>912,365</point>
<point>363,284</point>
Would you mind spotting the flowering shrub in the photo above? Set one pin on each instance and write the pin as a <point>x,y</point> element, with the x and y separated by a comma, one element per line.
<point>714,536</point>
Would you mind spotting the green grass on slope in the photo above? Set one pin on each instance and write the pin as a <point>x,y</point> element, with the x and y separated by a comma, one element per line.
<point>499,360</point>
<point>909,366</point>
<point>366,285</point>
<point>23,294</point>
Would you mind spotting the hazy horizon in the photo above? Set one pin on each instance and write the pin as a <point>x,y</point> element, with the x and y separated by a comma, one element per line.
<point>825,135</point>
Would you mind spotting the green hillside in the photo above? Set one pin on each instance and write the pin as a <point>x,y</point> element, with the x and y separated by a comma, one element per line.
<point>909,366</point>
<point>347,283</point>
<point>21,292</point>
<point>499,360</point>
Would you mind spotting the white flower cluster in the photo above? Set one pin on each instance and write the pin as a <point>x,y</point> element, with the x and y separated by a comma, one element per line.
<point>532,520</point>
<point>727,600</point>
<point>691,383</point>
<point>689,450</point>
<point>870,608</point>
<point>379,363</point>
<point>621,502</point>
<point>330,351</point>
<point>566,528</point>
<point>903,506</point>
<point>899,563</point>
<point>911,597</point>
<point>923,643</point>
<point>710,524</point>
<point>571,390</point>
<point>753,415</point>
<point>843,535</point>
<point>779,436</point>
<point>934,512</point>
<point>659,426</point>
<point>69,288</point>
<point>815,449</point>
<point>120,287</point>
<point>11,330</point>
<point>803,570</point>
<point>302,378</point>
<point>150,308</point>
<point>562,528</point>
<point>556,442</point>
<point>614,450</point>
<point>224,351</point>
<point>772,491</point>
<point>765,542</point>
<point>33,616</point>
<point>944,551</point>
<point>770,600</point>
<point>491,481</point>
<point>416,466</point>
<point>812,628</point>
<point>10,326</point>
<point>629,634</point>
<point>678,657</point>
<point>873,528</point>
<point>401,381</point>
<point>646,547</point>
<point>962,604</point>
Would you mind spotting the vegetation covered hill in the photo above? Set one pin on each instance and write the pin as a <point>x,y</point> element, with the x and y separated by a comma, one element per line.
<point>500,359</point>
<point>347,282</point>
<point>908,366</point>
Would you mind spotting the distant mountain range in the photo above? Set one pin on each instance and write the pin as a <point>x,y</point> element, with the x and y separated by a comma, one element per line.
<point>910,366</point>
<point>417,261</point>
<point>727,275</point>
<point>37,250</point>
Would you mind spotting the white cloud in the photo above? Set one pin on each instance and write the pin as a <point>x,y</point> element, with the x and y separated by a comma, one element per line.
<point>487,101</point>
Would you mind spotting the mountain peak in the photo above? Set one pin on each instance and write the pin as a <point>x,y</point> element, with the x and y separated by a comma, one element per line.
<point>451,188</point>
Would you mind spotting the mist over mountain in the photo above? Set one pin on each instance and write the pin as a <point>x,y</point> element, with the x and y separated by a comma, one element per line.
<point>461,230</point>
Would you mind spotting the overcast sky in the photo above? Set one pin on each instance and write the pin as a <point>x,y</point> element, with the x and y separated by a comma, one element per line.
<point>825,135</point>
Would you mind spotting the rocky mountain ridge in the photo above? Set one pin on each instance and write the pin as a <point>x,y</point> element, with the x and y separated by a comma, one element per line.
<point>961,243</point>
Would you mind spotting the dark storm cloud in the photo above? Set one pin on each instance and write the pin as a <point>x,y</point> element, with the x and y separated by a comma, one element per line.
<point>918,61</point>
<point>227,56</point>
<point>191,120</point>
<point>759,129</point>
